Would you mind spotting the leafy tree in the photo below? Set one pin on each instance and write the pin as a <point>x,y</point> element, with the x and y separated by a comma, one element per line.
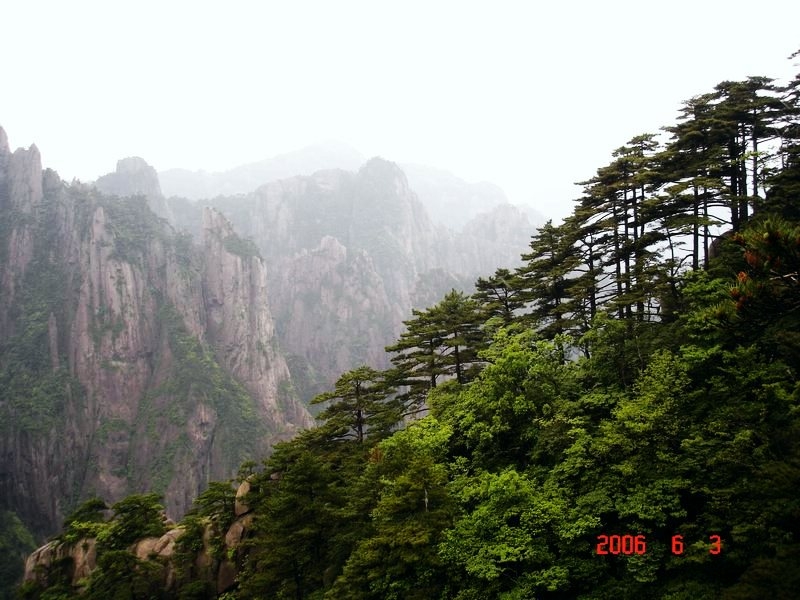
<point>502,543</point>
<point>216,503</point>
<point>747,111</point>
<point>783,183</point>
<point>418,363</point>
<point>15,542</point>
<point>120,575</point>
<point>459,321</point>
<point>86,521</point>
<point>399,558</point>
<point>545,280</point>
<point>292,538</point>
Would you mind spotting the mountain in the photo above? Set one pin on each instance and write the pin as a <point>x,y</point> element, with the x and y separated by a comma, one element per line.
<point>134,176</point>
<point>448,200</point>
<point>197,185</point>
<point>152,344</point>
<point>132,358</point>
<point>454,202</point>
<point>349,254</point>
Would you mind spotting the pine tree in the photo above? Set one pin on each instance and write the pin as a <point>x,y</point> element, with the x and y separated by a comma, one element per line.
<point>747,111</point>
<point>499,295</point>
<point>440,341</point>
<point>360,407</point>
<point>545,280</point>
<point>784,183</point>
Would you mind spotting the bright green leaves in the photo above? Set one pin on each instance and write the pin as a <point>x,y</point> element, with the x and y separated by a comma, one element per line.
<point>398,559</point>
<point>499,529</point>
<point>652,410</point>
<point>505,535</point>
<point>135,517</point>
<point>86,521</point>
<point>521,398</point>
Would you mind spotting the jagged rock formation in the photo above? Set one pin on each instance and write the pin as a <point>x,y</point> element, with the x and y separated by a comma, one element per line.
<point>350,254</point>
<point>240,324</point>
<point>134,176</point>
<point>332,311</point>
<point>130,358</point>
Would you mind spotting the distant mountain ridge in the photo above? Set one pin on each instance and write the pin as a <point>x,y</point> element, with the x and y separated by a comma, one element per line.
<point>448,199</point>
<point>199,185</point>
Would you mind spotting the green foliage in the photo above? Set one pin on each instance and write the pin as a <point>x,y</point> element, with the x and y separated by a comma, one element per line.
<point>196,378</point>
<point>34,391</point>
<point>502,542</point>
<point>15,542</point>
<point>216,503</point>
<point>682,415</point>
<point>440,342</point>
<point>86,521</point>
<point>133,226</point>
<point>359,408</point>
<point>500,295</point>
<point>120,575</point>
<point>135,517</point>
<point>239,246</point>
<point>398,558</point>
<point>192,579</point>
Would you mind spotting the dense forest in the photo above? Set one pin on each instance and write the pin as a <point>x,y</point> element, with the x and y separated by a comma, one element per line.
<point>617,418</point>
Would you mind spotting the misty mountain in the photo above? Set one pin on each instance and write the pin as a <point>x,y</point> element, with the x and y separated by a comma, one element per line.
<point>448,199</point>
<point>453,201</point>
<point>155,344</point>
<point>350,253</point>
<point>196,185</point>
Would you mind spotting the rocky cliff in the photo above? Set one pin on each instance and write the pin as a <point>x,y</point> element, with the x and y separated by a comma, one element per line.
<point>131,358</point>
<point>349,255</point>
<point>133,177</point>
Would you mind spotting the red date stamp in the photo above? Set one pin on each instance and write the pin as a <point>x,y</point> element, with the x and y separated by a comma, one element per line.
<point>629,544</point>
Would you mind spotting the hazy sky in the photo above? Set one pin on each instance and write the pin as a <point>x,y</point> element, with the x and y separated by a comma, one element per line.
<point>530,95</point>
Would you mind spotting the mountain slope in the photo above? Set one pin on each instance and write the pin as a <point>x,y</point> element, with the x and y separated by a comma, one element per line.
<point>350,254</point>
<point>130,358</point>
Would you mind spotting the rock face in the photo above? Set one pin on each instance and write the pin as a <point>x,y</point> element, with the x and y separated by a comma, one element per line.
<point>240,324</point>
<point>131,358</point>
<point>134,176</point>
<point>504,229</point>
<point>349,255</point>
<point>81,557</point>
